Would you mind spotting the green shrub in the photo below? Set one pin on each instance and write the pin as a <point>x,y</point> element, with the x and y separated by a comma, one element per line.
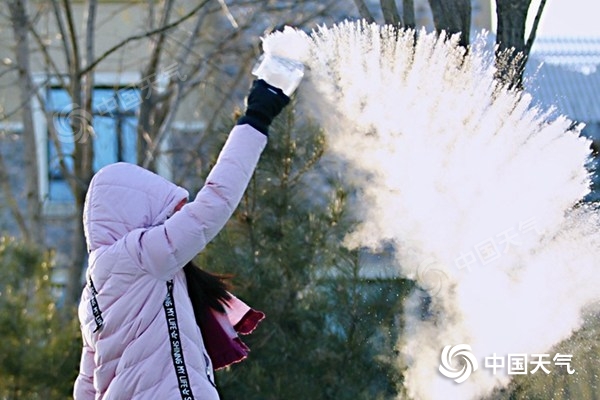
<point>39,341</point>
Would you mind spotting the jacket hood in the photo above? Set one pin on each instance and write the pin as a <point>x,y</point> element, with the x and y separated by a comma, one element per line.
<point>123,197</point>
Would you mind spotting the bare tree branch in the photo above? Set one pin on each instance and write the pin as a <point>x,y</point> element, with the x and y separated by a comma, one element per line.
<point>453,17</point>
<point>73,44</point>
<point>511,56</point>
<point>408,14</point>
<point>390,12</point>
<point>23,103</point>
<point>165,127</point>
<point>90,30</point>
<point>510,31</point>
<point>534,28</point>
<point>176,97</point>
<point>63,33</point>
<point>145,35</point>
<point>11,201</point>
<point>180,88</point>
<point>187,47</point>
<point>317,13</point>
<point>47,57</point>
<point>35,88</point>
<point>364,12</point>
<point>158,42</point>
<point>88,88</point>
<point>233,83</point>
<point>228,14</point>
<point>149,112</point>
<point>56,74</point>
<point>7,71</point>
<point>20,23</point>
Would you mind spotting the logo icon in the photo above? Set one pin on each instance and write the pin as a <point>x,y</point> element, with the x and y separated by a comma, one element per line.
<point>466,360</point>
<point>430,277</point>
<point>73,114</point>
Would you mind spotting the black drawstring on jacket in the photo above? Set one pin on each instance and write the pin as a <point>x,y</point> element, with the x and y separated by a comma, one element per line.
<point>185,388</point>
<point>95,307</point>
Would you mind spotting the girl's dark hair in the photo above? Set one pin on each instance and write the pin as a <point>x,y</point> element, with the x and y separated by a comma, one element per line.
<point>206,289</point>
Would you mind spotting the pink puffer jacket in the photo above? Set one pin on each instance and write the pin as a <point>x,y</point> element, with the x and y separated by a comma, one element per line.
<point>140,337</point>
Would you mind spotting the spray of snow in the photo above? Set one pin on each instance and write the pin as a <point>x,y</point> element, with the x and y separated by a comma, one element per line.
<point>289,43</point>
<point>473,184</point>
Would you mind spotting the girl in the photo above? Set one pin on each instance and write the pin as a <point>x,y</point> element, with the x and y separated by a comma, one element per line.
<point>154,326</point>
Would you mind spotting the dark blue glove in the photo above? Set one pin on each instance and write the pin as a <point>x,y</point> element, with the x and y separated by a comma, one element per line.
<point>263,104</point>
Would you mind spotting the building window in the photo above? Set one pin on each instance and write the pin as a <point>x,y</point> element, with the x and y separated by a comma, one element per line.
<point>116,102</point>
<point>114,138</point>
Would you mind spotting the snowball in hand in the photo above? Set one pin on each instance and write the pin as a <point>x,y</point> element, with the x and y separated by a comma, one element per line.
<point>282,62</point>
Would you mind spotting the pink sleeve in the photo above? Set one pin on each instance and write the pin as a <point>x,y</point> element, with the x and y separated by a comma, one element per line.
<point>84,384</point>
<point>164,249</point>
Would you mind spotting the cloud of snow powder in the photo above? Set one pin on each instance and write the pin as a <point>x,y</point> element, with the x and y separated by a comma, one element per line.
<point>474,185</point>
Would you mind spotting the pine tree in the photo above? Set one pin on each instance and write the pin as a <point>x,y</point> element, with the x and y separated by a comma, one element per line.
<point>39,342</point>
<point>328,331</point>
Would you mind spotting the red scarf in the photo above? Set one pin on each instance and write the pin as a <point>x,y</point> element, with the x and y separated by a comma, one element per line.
<point>221,339</point>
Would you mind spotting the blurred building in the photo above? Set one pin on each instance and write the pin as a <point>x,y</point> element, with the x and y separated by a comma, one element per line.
<point>564,73</point>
